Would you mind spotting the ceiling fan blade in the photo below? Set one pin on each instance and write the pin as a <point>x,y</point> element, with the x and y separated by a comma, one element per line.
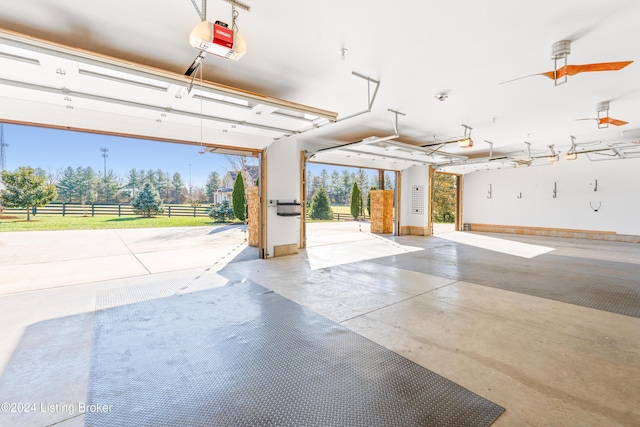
<point>572,70</point>
<point>614,122</point>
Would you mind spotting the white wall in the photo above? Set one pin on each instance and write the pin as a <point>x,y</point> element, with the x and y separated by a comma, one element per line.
<point>415,175</point>
<point>283,183</point>
<point>618,196</point>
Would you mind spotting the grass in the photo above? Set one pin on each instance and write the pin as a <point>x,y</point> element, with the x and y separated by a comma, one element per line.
<point>77,222</point>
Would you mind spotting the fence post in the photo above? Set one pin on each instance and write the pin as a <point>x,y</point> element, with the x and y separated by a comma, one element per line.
<point>169,211</point>
<point>34,210</point>
<point>93,209</point>
<point>119,205</point>
<point>194,211</point>
<point>338,216</point>
<point>64,209</point>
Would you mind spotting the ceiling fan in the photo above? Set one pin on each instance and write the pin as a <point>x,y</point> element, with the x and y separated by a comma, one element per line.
<point>603,116</point>
<point>559,51</point>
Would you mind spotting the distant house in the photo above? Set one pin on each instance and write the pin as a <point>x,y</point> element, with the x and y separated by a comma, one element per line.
<point>224,192</point>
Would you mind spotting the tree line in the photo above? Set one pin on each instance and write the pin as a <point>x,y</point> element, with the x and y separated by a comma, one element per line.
<point>339,185</point>
<point>86,185</point>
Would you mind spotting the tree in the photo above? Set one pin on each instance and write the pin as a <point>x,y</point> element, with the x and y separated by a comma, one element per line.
<point>85,184</point>
<point>134,180</point>
<point>25,189</point>
<point>239,198</point>
<point>177,189</point>
<point>334,189</point>
<point>162,184</point>
<point>108,187</point>
<point>221,212</point>
<point>212,186</point>
<point>356,201</point>
<point>147,202</point>
<point>444,198</point>
<point>324,179</point>
<point>345,185</point>
<point>388,183</point>
<point>67,185</point>
<point>362,178</point>
<point>320,206</point>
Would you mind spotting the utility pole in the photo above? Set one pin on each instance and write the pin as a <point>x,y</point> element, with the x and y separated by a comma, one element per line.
<point>105,154</point>
<point>3,153</point>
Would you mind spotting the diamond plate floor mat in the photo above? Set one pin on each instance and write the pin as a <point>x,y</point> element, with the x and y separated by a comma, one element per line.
<point>242,355</point>
<point>602,285</point>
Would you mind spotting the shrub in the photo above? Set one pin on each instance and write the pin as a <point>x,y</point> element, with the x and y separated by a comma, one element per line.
<point>356,201</point>
<point>147,202</point>
<point>222,212</point>
<point>239,199</point>
<point>320,205</point>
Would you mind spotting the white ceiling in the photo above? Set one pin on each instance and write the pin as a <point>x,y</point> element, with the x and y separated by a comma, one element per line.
<point>414,48</point>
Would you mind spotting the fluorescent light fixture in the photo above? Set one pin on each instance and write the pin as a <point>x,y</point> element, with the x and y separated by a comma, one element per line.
<point>155,86</point>
<point>32,61</point>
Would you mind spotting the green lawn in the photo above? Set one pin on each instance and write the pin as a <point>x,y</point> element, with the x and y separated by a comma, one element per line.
<point>57,222</point>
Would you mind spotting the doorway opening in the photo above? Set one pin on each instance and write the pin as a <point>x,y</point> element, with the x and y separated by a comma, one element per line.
<point>446,209</point>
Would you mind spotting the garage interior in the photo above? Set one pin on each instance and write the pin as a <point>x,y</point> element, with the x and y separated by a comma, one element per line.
<point>527,315</point>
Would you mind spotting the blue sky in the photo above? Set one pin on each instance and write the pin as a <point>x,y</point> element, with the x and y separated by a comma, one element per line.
<point>53,149</point>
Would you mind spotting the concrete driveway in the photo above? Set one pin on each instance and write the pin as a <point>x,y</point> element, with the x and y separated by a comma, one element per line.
<point>45,259</point>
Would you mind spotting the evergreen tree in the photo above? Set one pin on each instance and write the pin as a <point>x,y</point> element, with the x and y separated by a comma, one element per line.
<point>162,183</point>
<point>324,179</point>
<point>345,186</point>
<point>334,189</point>
<point>134,181</point>
<point>356,201</point>
<point>85,185</point>
<point>222,211</point>
<point>388,182</point>
<point>213,185</point>
<point>108,187</point>
<point>67,185</point>
<point>239,198</point>
<point>25,189</point>
<point>362,178</point>
<point>177,189</point>
<point>320,206</point>
<point>147,202</point>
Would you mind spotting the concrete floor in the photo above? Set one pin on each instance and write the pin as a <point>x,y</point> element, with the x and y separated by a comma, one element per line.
<point>546,362</point>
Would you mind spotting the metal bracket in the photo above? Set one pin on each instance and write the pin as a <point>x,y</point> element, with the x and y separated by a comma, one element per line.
<point>519,196</point>
<point>202,13</point>
<point>490,192</point>
<point>555,190</point>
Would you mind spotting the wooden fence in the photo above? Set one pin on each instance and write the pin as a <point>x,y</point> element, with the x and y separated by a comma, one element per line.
<point>125,209</point>
<point>115,209</point>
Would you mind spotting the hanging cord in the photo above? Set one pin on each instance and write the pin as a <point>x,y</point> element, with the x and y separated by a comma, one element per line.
<point>201,121</point>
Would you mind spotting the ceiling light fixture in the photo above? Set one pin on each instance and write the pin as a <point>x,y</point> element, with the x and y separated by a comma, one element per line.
<point>441,96</point>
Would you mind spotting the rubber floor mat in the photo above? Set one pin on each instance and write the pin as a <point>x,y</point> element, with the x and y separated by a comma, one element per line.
<point>242,355</point>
